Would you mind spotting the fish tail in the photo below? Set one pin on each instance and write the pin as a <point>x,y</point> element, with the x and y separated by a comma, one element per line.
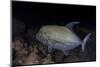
<point>85,41</point>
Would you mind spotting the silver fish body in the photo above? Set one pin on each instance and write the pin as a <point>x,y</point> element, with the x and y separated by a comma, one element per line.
<point>59,37</point>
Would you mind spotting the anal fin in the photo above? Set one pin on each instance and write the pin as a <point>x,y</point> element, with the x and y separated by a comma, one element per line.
<point>66,53</point>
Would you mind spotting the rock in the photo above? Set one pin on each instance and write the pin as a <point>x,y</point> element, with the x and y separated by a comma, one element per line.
<point>32,58</point>
<point>57,56</point>
<point>47,60</point>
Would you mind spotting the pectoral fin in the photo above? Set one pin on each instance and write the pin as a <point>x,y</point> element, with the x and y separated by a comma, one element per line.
<point>49,49</point>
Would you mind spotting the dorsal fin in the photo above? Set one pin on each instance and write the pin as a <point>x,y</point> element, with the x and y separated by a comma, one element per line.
<point>71,25</point>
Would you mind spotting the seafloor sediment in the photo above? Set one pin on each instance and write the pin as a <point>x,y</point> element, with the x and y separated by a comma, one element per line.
<point>26,50</point>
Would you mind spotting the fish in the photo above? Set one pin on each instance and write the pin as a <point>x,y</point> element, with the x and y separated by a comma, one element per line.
<point>61,37</point>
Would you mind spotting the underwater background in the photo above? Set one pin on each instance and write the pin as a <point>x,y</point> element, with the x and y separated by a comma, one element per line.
<point>29,17</point>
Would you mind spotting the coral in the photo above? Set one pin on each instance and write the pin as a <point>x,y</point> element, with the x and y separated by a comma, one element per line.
<point>32,58</point>
<point>28,50</point>
<point>47,60</point>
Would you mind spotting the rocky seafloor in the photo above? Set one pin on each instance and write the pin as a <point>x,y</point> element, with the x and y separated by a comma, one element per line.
<point>27,50</point>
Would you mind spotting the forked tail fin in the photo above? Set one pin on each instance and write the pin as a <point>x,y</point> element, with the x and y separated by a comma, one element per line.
<point>85,41</point>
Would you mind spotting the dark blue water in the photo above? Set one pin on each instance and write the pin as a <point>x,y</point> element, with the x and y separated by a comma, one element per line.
<point>35,14</point>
